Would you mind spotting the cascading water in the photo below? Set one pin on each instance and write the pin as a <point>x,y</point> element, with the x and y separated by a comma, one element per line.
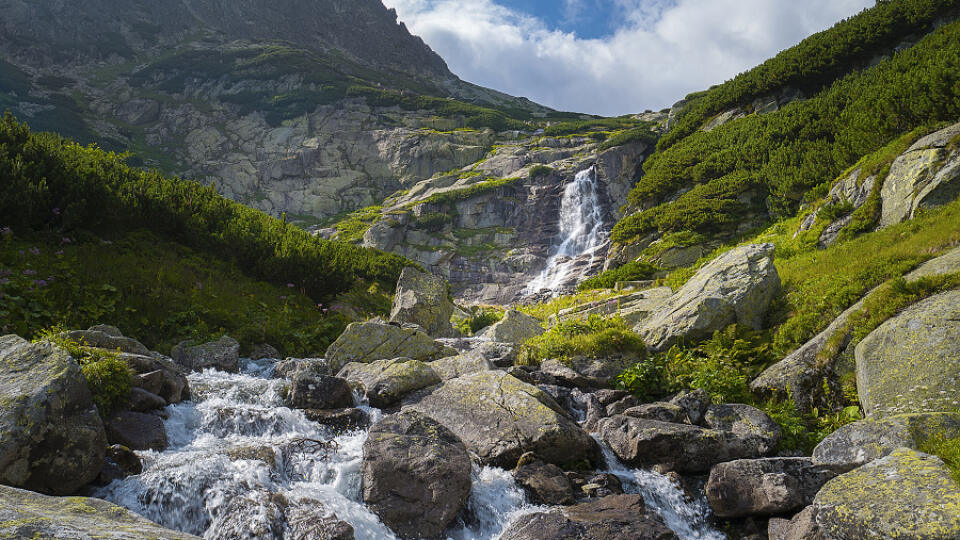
<point>581,233</point>
<point>236,438</point>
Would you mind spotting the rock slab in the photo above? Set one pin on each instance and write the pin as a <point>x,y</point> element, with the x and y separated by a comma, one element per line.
<point>423,299</point>
<point>370,341</point>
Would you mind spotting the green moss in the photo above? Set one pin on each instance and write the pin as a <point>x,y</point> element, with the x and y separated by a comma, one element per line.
<point>595,337</point>
<point>355,225</point>
<point>946,449</point>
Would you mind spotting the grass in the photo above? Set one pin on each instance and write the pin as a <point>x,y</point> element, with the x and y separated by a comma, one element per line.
<point>595,337</point>
<point>632,271</point>
<point>480,318</point>
<point>455,195</point>
<point>355,224</point>
<point>946,449</point>
<point>544,310</point>
<point>157,291</point>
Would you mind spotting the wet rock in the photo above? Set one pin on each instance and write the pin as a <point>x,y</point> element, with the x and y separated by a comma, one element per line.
<point>416,474</point>
<point>602,485</point>
<point>695,403</point>
<point>25,514</point>
<point>250,516</point>
<point>500,418</point>
<point>730,433</point>
<point>144,401</point>
<point>903,495</point>
<point>619,407</point>
<point>423,299</point>
<point>287,368</point>
<point>312,522</point>
<point>463,364</point>
<point>911,363</point>
<point>545,483</point>
<point>319,392</point>
<point>158,375</point>
<point>515,328</point>
<point>386,382</point>
<point>736,287</point>
<point>137,431</point>
<point>51,438</point>
<point>339,420</point>
<point>223,354</point>
<point>771,486</point>
<point>664,412</point>
<point>370,341</point>
<point>264,350</point>
<point>617,517</point>
<point>119,462</point>
<point>861,442</point>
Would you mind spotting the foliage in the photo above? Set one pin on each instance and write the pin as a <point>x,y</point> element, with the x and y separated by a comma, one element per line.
<point>355,224</point>
<point>540,170</point>
<point>474,116</point>
<point>432,221</point>
<point>52,183</point>
<point>632,271</point>
<point>638,134</point>
<point>768,163</point>
<point>946,449</point>
<point>594,337</point>
<point>552,307</point>
<point>109,379</point>
<point>462,194</point>
<point>804,432</point>
<point>572,127</point>
<point>480,318</point>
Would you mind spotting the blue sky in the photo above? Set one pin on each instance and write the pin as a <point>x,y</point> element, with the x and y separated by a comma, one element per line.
<point>612,57</point>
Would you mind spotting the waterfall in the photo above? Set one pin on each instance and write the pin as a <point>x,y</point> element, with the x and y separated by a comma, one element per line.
<point>581,234</point>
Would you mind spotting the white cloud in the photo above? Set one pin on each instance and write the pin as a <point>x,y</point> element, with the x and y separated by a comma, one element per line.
<point>663,50</point>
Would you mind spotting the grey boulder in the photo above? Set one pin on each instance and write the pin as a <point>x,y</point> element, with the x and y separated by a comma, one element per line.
<point>386,382</point>
<point>370,341</point>
<point>763,487</point>
<point>223,354</point>
<point>615,517</point>
<point>309,391</point>
<point>423,299</point>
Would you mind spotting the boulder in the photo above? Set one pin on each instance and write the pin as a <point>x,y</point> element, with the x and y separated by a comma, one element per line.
<point>911,363</point>
<point>731,432</point>
<point>144,401</point>
<point>803,526</point>
<point>287,368</point>
<point>514,328</point>
<point>158,375</point>
<point>564,375</point>
<point>51,438</point>
<point>695,403</point>
<point>616,517</point>
<point>264,351</point>
<point>501,355</point>
<point>416,474</point>
<point>261,514</point>
<point>25,514</point>
<point>319,392</point>
<point>663,412</point>
<point>223,354</point>
<point>764,487</point>
<point>861,442</point>
<point>545,483</point>
<point>462,364</point>
<point>107,337</point>
<point>119,463</point>
<point>137,431</point>
<point>370,341</point>
<point>500,418</point>
<point>339,420</point>
<point>386,382</point>
<point>925,176</point>
<point>736,287</point>
<point>311,521</point>
<point>423,299</point>
<point>906,494</point>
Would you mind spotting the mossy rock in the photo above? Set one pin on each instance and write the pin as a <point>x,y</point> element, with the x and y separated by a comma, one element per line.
<point>904,495</point>
<point>385,382</point>
<point>370,341</point>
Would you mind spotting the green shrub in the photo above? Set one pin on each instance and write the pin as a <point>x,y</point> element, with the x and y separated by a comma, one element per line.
<point>540,170</point>
<point>484,317</point>
<point>594,337</point>
<point>433,221</point>
<point>632,271</point>
<point>109,379</point>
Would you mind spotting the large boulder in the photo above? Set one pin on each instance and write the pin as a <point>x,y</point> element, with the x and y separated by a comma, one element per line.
<point>223,354</point>
<point>545,483</point>
<point>911,363</point>
<point>730,432</point>
<point>25,514</point>
<point>462,364</point>
<point>385,382</point>
<point>158,375</point>
<point>137,431</point>
<point>925,176</point>
<point>423,299</point>
<point>261,514</point>
<point>416,474</point>
<point>736,287</point>
<point>514,328</point>
<point>309,391</point>
<point>500,418</point>
<point>903,495</point>
<point>51,438</point>
<point>861,442</point>
<point>769,486</point>
<point>107,337</point>
<point>615,517</point>
<point>370,341</point>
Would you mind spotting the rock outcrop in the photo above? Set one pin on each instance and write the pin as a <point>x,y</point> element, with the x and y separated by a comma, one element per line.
<point>911,363</point>
<point>51,437</point>
<point>500,418</point>
<point>736,287</point>
<point>416,474</point>
<point>925,176</point>
<point>25,514</point>
<point>904,495</point>
<point>423,299</point>
<point>370,341</point>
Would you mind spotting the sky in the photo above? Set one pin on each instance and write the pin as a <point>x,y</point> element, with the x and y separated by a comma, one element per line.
<point>612,57</point>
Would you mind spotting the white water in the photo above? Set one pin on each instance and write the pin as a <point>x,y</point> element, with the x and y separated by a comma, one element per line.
<point>188,486</point>
<point>581,233</point>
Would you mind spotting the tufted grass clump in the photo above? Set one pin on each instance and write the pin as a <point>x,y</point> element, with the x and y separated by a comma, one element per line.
<point>109,379</point>
<point>595,337</point>
<point>946,449</point>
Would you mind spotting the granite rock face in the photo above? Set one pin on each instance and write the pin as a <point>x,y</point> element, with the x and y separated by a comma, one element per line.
<point>925,176</point>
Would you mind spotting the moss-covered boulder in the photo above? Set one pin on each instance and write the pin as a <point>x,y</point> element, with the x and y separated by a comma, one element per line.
<point>861,442</point>
<point>107,337</point>
<point>51,437</point>
<point>385,382</point>
<point>736,287</point>
<point>25,514</point>
<point>462,364</point>
<point>925,176</point>
<point>911,363</point>
<point>514,327</point>
<point>423,299</point>
<point>369,341</point>
<point>222,354</point>
<point>904,495</point>
<point>500,418</point>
